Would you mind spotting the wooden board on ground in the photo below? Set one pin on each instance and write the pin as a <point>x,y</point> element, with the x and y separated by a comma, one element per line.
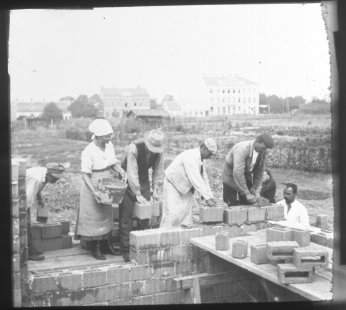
<point>319,289</point>
<point>71,258</point>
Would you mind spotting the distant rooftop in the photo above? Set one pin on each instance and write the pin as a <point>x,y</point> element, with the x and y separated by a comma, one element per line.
<point>228,80</point>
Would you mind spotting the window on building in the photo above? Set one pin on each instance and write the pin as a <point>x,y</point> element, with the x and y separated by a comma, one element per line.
<point>238,108</point>
<point>228,91</point>
<point>223,110</point>
<point>135,104</point>
<point>233,91</point>
<point>211,91</point>
<point>229,109</point>
<point>211,109</point>
<point>223,91</point>
<point>238,99</point>
<point>125,104</point>
<point>218,110</point>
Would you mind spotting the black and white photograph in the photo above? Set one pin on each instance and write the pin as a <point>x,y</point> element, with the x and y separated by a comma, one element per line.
<point>174,154</point>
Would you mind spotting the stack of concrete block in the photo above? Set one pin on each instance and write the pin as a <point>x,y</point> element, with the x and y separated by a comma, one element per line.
<point>324,238</point>
<point>281,251</point>
<point>322,221</point>
<point>19,230</point>
<point>51,236</point>
<point>212,214</point>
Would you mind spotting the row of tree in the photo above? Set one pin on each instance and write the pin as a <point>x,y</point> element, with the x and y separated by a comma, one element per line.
<point>283,105</point>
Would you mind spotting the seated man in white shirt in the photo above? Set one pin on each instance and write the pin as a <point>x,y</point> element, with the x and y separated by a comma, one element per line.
<point>294,211</point>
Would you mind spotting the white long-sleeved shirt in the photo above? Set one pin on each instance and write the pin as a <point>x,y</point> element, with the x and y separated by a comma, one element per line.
<point>297,213</point>
<point>35,182</point>
<point>185,172</point>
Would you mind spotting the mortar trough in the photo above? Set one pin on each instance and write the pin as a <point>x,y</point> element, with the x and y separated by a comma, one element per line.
<point>116,189</point>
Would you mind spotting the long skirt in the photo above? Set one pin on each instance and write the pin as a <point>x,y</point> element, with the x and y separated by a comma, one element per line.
<point>94,220</point>
<point>177,208</point>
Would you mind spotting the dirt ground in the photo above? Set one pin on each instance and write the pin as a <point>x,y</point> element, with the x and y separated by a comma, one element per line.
<point>41,146</point>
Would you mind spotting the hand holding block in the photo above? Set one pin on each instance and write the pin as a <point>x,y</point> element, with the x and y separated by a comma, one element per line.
<point>239,248</point>
<point>222,242</point>
<point>142,211</point>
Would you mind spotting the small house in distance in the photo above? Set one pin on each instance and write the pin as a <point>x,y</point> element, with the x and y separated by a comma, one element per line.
<point>170,105</point>
<point>148,119</point>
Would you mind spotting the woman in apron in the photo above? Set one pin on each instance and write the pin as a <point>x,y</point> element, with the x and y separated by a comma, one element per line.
<point>95,219</point>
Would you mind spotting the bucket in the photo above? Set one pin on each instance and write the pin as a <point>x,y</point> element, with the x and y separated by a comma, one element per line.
<point>115,188</point>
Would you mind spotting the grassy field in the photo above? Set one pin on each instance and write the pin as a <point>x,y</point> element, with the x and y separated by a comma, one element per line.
<point>41,146</point>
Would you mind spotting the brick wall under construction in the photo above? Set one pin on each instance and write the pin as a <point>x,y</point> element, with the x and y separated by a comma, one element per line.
<point>157,257</point>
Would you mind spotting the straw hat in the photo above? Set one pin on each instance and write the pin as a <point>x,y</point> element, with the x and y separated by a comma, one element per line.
<point>56,170</point>
<point>154,140</point>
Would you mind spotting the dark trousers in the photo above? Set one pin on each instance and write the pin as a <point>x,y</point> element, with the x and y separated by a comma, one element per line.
<point>230,195</point>
<point>28,227</point>
<point>126,219</point>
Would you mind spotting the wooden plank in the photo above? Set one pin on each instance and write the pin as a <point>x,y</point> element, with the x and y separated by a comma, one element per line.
<point>320,289</point>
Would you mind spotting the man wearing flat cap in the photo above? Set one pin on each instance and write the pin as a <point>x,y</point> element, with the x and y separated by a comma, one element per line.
<point>243,170</point>
<point>36,180</point>
<point>143,154</point>
<point>185,175</point>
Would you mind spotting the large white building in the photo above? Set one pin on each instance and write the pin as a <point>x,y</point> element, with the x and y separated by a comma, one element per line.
<point>122,100</point>
<point>232,94</point>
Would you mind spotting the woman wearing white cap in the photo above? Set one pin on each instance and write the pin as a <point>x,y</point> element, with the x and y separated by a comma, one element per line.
<point>98,160</point>
<point>185,175</point>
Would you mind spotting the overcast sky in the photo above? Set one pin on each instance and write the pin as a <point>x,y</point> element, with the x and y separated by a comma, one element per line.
<point>168,50</point>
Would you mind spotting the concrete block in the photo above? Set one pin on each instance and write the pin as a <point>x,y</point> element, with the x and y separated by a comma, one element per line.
<point>302,237</point>
<point>239,248</point>
<point>139,256</point>
<point>115,231</point>
<point>106,293</point>
<point>65,226</point>
<point>322,221</point>
<point>163,269</point>
<point>211,230</point>
<point>186,234</point>
<point>51,230</point>
<point>36,231</point>
<point>118,275</point>
<point>222,242</point>
<point>156,255</point>
<point>136,288</point>
<point>143,239</point>
<point>275,212</point>
<point>143,300</point>
<point>170,237</point>
<point>179,253</point>
<point>233,231</point>
<point>211,214</point>
<point>124,290</point>
<point>281,250</point>
<point>142,211</point>
<point>182,268</point>
<point>66,241</point>
<point>278,234</point>
<point>262,225</point>
<point>142,272</point>
<point>235,215</point>
<point>15,192</point>
<point>321,238</point>
<point>43,284</point>
<point>94,278</point>
<point>15,244</point>
<point>70,281</point>
<point>48,244</point>
<point>246,228</point>
<point>288,274</point>
<point>115,208</point>
<point>256,214</point>
<point>15,208</point>
<point>155,208</point>
<point>258,254</point>
<point>153,286</point>
<point>308,257</point>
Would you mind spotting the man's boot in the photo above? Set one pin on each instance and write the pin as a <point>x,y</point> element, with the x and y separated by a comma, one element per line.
<point>107,247</point>
<point>97,250</point>
<point>126,254</point>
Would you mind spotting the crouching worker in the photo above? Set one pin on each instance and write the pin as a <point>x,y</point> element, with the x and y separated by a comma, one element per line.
<point>182,177</point>
<point>36,180</point>
<point>94,218</point>
<point>143,154</point>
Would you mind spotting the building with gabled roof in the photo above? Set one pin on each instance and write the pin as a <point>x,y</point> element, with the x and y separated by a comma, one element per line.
<point>232,94</point>
<point>122,100</point>
<point>170,105</point>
